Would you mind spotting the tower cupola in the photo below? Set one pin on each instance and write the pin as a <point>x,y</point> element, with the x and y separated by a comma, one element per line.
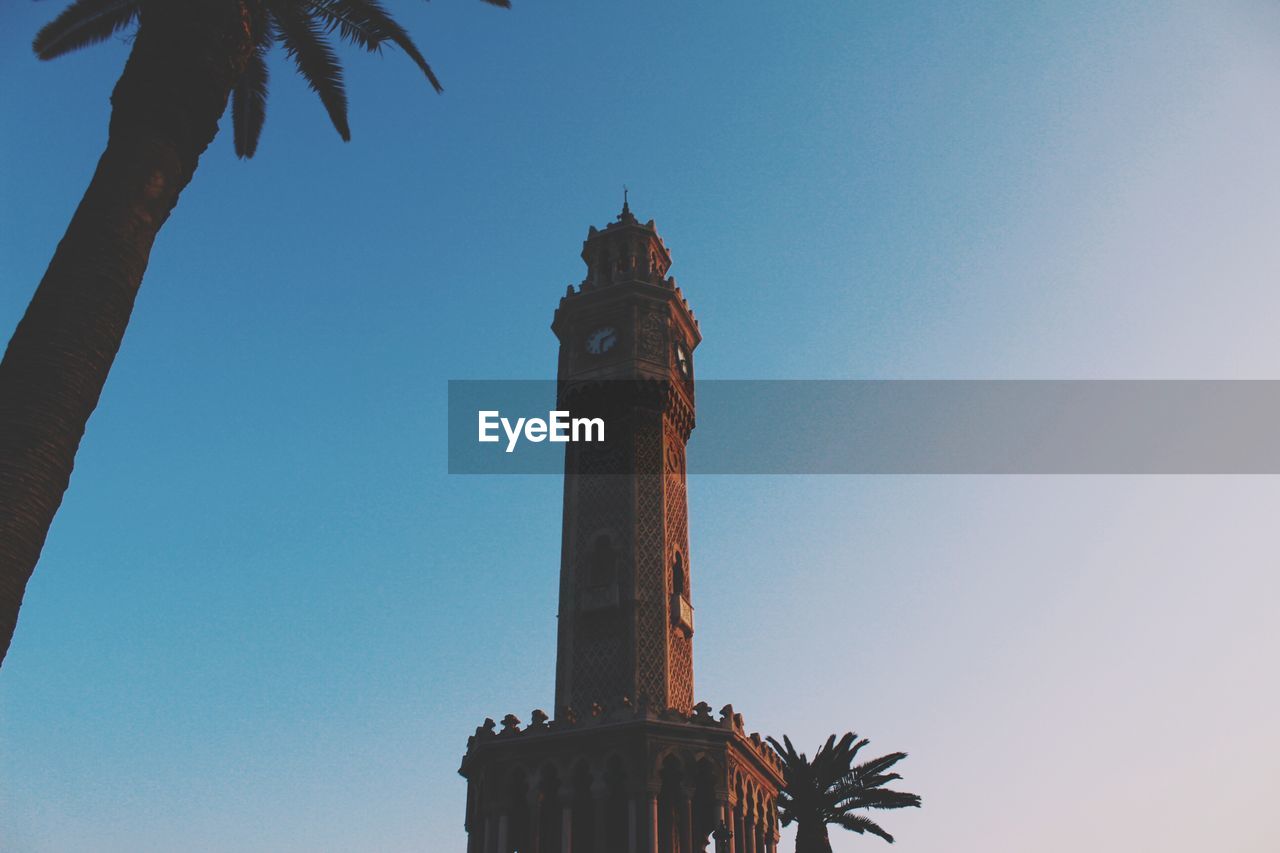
<point>624,251</point>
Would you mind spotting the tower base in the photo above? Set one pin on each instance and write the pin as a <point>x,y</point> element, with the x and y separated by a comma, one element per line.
<point>627,781</point>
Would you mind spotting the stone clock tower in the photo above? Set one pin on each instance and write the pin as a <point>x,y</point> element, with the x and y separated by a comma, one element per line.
<point>627,338</point>
<point>629,764</point>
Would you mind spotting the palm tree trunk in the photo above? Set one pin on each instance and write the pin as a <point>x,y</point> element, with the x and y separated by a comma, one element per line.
<point>811,837</point>
<point>165,110</point>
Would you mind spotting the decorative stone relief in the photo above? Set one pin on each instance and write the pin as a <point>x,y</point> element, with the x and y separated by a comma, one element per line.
<point>651,341</point>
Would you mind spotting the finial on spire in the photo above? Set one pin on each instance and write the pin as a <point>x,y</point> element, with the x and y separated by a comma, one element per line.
<point>626,214</point>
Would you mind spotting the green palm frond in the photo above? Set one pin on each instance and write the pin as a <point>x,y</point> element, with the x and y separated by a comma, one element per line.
<point>83,23</point>
<point>304,40</point>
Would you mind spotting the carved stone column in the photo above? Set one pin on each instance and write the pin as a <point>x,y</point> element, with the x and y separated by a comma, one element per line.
<point>475,822</point>
<point>491,833</point>
<point>600,802</point>
<point>504,833</point>
<point>726,815</point>
<point>634,803</point>
<point>533,842</point>
<point>686,818</point>
<point>566,820</point>
<point>566,829</point>
<point>652,820</point>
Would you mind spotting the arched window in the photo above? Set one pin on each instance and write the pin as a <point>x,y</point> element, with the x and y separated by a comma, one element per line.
<point>681,609</point>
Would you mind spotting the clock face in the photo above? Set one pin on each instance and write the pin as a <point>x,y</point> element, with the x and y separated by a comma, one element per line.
<point>682,359</point>
<point>601,340</point>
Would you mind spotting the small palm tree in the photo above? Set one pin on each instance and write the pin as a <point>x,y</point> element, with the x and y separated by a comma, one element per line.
<point>188,59</point>
<point>831,789</point>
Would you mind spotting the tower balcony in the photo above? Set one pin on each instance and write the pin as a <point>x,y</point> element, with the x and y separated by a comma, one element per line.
<point>682,613</point>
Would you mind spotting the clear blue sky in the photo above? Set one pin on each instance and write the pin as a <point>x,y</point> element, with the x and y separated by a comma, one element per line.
<point>266,619</point>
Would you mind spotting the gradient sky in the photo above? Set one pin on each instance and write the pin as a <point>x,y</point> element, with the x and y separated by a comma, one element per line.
<point>267,619</point>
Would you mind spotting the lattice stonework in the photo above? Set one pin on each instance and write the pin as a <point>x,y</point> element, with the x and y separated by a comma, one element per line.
<point>651,339</point>
<point>599,653</point>
<point>680,644</point>
<point>597,674</point>
<point>651,606</point>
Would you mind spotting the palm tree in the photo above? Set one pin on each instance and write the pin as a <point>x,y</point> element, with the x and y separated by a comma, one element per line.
<point>188,59</point>
<point>830,789</point>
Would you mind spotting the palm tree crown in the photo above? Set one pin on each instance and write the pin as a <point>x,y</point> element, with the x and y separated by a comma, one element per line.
<point>302,27</point>
<point>188,61</point>
<point>831,789</point>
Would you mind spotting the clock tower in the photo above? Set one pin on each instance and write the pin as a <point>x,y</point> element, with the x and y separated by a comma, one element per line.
<point>630,763</point>
<point>627,338</point>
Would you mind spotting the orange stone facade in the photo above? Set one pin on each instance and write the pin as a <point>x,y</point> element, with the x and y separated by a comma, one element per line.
<point>629,764</point>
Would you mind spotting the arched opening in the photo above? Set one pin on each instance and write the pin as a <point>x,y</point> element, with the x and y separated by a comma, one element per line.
<point>670,806</point>
<point>706,816</point>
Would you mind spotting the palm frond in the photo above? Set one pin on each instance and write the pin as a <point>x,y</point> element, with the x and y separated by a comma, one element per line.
<point>848,748</point>
<point>885,799</point>
<point>787,753</point>
<point>860,824</point>
<point>878,765</point>
<point>351,23</point>
<point>869,782</point>
<point>249,100</point>
<point>304,40</point>
<point>831,788</point>
<point>83,23</point>
<point>367,24</point>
